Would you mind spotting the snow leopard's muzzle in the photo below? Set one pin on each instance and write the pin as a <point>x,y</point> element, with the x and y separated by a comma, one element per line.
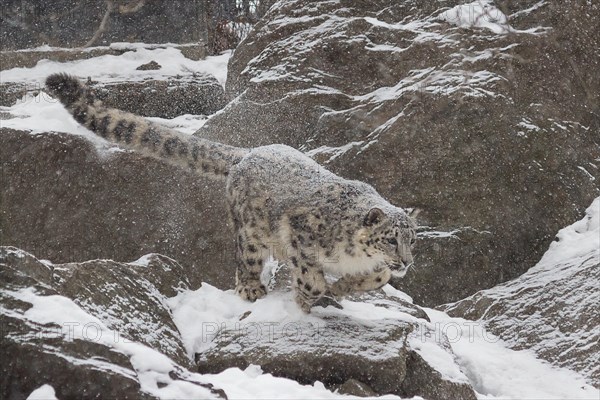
<point>399,269</point>
<point>405,261</point>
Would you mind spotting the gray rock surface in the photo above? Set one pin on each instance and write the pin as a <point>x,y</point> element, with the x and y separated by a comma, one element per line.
<point>492,134</point>
<point>552,309</point>
<point>65,202</point>
<point>121,296</point>
<point>346,351</point>
<point>73,23</point>
<point>34,354</point>
<point>169,98</point>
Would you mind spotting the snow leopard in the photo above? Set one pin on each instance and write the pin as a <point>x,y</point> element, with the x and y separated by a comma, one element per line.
<point>338,236</point>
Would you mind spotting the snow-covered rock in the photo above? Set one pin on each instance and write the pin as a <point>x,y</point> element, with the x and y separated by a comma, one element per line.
<point>378,341</point>
<point>84,330</point>
<point>484,114</point>
<point>552,309</point>
<point>107,329</point>
<point>180,86</point>
<point>88,330</point>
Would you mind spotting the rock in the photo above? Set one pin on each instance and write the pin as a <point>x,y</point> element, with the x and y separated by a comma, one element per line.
<point>81,358</point>
<point>353,387</point>
<point>34,355</point>
<point>152,65</point>
<point>195,94</point>
<point>72,23</point>
<point>37,359</point>
<point>467,124</point>
<point>11,92</point>
<point>151,95</point>
<point>126,301</point>
<point>28,58</point>
<point>371,346</point>
<point>552,309</point>
<point>65,202</point>
<point>423,380</point>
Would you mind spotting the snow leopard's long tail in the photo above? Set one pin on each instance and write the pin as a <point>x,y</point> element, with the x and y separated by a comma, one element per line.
<point>140,134</point>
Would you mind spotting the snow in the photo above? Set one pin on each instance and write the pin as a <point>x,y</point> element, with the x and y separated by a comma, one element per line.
<point>566,278</point>
<point>201,313</point>
<point>152,367</point>
<point>253,384</point>
<point>493,369</point>
<point>573,242</point>
<point>478,14</point>
<point>334,152</point>
<point>42,114</point>
<point>587,173</point>
<point>483,14</point>
<point>143,261</point>
<point>119,68</point>
<point>44,392</point>
<point>186,123</point>
<point>498,372</point>
<point>37,112</point>
<point>485,361</point>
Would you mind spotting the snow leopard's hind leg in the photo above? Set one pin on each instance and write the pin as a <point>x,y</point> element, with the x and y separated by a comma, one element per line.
<point>249,267</point>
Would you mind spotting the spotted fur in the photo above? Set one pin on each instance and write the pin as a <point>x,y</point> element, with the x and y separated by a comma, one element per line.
<point>282,203</point>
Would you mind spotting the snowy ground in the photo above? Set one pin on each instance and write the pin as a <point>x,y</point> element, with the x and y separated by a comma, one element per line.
<point>494,370</point>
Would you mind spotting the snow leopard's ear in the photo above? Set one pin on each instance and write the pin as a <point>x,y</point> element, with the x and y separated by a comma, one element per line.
<point>373,217</point>
<point>414,212</point>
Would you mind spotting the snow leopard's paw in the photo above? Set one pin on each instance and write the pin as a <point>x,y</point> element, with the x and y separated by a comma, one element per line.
<point>251,291</point>
<point>327,301</point>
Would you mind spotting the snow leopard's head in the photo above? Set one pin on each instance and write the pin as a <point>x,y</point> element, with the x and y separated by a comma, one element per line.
<point>390,235</point>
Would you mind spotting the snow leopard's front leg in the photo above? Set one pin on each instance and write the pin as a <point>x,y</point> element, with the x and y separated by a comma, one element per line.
<point>349,284</point>
<point>249,268</point>
<point>309,281</point>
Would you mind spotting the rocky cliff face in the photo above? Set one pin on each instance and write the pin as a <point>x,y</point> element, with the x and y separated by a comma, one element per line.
<point>552,309</point>
<point>485,117</point>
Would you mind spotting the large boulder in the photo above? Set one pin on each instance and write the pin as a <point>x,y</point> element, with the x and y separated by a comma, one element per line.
<point>490,127</point>
<point>87,330</point>
<point>166,98</point>
<point>552,309</point>
<point>148,93</point>
<point>378,344</point>
<point>127,301</point>
<point>73,23</point>
<point>65,201</point>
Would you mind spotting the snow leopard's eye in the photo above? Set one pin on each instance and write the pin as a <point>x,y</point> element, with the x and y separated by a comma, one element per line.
<point>393,241</point>
<point>413,241</point>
